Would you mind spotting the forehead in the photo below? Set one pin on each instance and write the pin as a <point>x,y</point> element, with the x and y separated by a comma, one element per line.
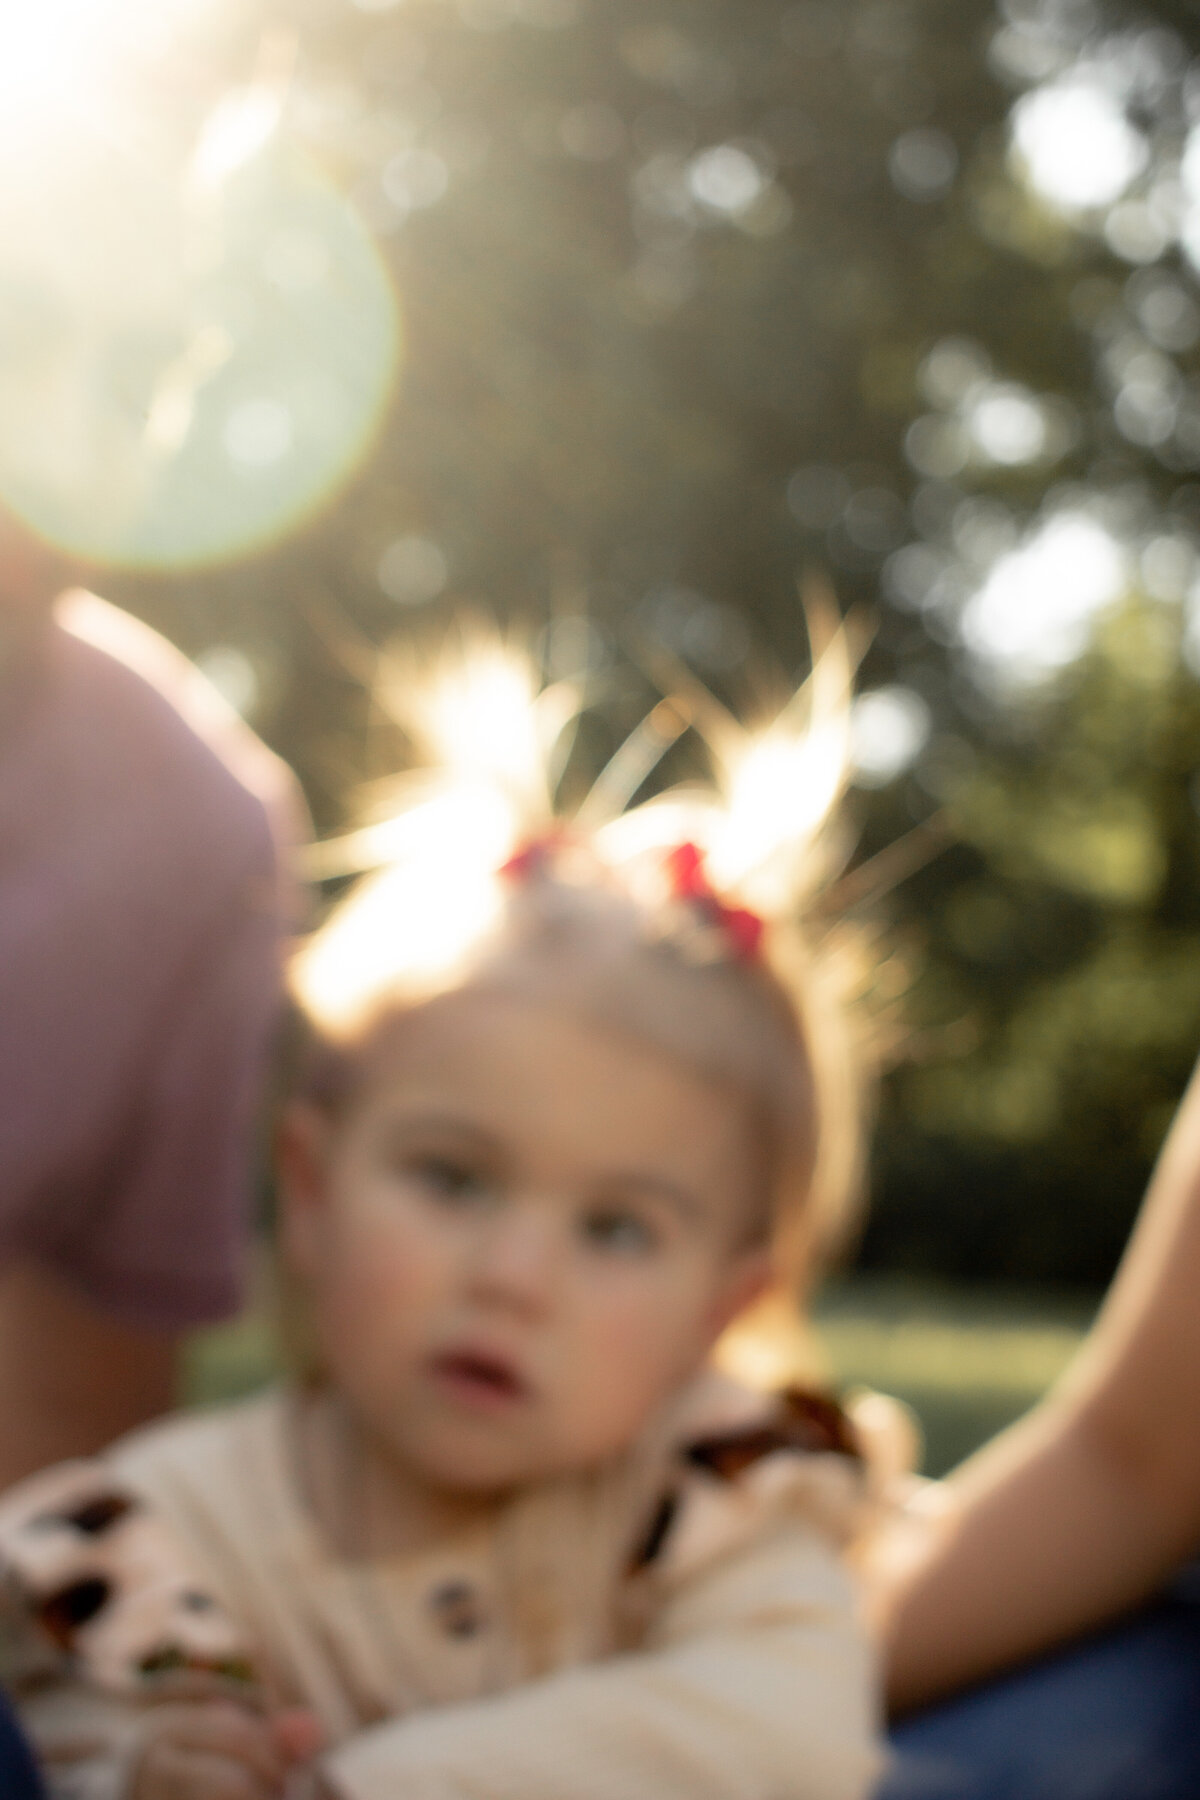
<point>542,1079</point>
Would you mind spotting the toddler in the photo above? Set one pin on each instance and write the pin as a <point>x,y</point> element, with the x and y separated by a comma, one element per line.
<point>574,1096</point>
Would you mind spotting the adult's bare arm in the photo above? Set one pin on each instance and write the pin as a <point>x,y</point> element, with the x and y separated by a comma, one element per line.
<point>72,1378</point>
<point>1084,1507</point>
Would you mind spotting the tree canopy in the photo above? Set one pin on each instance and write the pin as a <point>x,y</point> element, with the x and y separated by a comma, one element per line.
<point>698,296</point>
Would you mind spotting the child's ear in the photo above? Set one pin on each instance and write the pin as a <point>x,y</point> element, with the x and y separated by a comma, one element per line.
<point>745,1281</point>
<point>302,1166</point>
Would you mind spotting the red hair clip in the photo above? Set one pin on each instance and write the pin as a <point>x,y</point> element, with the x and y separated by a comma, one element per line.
<point>690,882</point>
<point>532,856</point>
<point>688,877</point>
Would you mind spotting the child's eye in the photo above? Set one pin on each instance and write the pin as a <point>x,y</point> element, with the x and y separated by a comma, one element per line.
<point>623,1232</point>
<point>451,1181</point>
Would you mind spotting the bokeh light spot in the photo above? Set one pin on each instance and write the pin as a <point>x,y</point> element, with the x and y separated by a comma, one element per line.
<point>1168,566</point>
<point>726,178</point>
<point>1166,312</point>
<point>1076,146</point>
<point>911,574</point>
<point>922,164</point>
<point>1035,611</point>
<point>414,179</point>
<point>1189,183</point>
<point>413,570</point>
<point>1134,231</point>
<point>937,446</point>
<point>889,727</point>
<point>1007,424</point>
<point>1144,413</point>
<point>952,369</point>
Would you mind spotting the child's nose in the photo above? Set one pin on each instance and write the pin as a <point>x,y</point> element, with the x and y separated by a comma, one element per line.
<point>517,1260</point>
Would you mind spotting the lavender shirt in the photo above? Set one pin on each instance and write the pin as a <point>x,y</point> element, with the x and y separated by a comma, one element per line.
<point>139,956</point>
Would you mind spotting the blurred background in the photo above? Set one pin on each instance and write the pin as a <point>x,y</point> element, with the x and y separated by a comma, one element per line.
<point>620,317</point>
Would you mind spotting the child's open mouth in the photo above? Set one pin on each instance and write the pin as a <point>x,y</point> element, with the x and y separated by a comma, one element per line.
<point>479,1378</point>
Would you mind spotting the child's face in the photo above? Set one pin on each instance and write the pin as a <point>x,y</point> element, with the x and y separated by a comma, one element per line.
<point>520,1239</point>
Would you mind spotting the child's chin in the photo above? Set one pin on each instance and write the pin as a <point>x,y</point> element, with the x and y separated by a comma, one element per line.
<point>475,1469</point>
<point>482,1471</point>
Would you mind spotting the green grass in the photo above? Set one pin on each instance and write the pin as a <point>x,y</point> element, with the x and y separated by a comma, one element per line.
<point>967,1360</point>
<point>230,1360</point>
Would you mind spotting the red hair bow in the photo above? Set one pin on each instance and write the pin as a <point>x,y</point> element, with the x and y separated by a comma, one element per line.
<point>688,877</point>
<point>532,856</point>
<point>689,881</point>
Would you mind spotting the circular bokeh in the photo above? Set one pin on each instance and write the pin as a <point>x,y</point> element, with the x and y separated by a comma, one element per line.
<point>195,355</point>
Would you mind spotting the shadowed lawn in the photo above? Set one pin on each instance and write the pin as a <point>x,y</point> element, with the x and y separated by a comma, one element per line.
<point>967,1360</point>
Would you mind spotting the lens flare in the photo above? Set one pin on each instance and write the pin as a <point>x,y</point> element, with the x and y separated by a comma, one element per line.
<point>198,337</point>
<point>61,55</point>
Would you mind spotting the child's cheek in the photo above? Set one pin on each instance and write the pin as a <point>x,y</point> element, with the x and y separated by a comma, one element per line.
<point>387,1256</point>
<point>637,1347</point>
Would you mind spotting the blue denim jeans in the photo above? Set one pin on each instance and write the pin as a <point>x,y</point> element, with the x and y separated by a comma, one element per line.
<point>19,1779</point>
<point>1115,1716</point>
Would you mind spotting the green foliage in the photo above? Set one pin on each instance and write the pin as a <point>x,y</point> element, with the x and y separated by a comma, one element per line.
<point>608,383</point>
<point>1063,966</point>
<point>669,331</point>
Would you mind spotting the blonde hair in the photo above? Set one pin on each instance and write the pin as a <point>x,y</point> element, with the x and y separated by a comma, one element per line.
<point>476,881</point>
